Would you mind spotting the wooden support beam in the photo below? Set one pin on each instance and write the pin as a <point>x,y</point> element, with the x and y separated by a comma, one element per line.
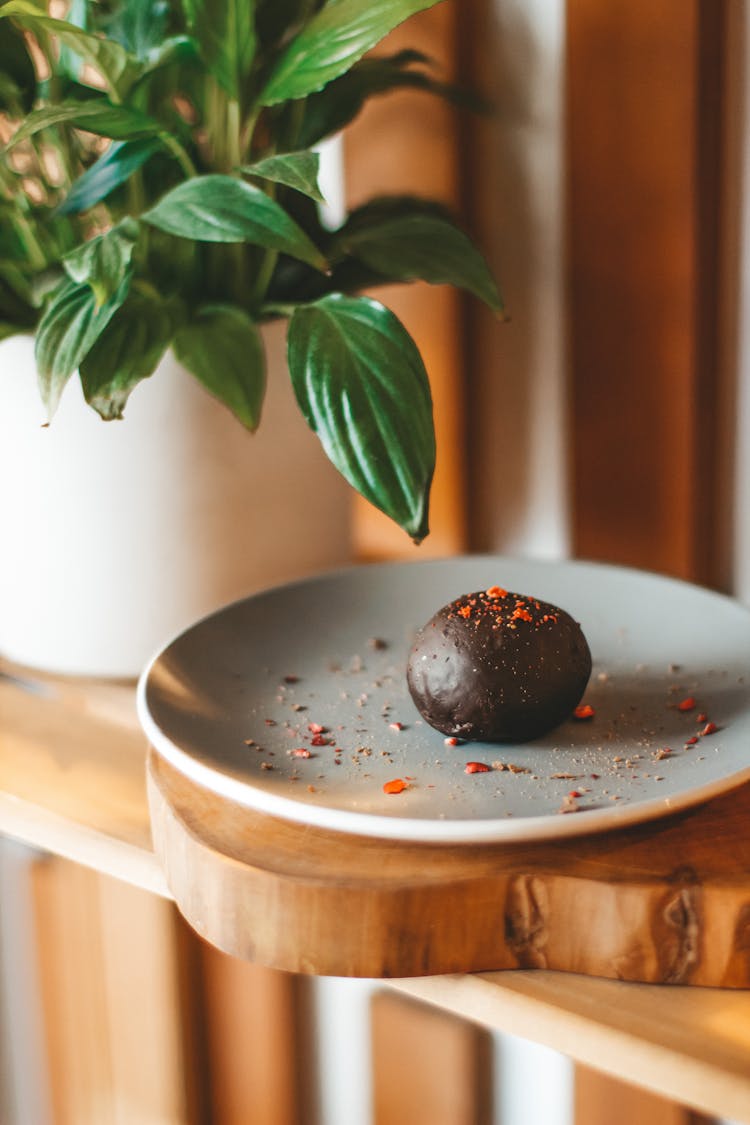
<point>257,1052</point>
<point>428,1068</point>
<point>601,1098</point>
<point>112,1004</point>
<point>644,177</point>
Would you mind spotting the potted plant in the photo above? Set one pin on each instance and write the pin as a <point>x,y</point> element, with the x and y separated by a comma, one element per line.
<point>159,206</point>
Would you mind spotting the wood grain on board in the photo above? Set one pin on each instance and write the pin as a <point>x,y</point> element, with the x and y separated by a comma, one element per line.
<point>665,901</point>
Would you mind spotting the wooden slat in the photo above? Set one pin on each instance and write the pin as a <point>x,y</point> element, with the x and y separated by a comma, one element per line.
<point>408,142</point>
<point>111,1002</point>
<point>600,1098</point>
<point>428,1068</point>
<point>644,139</point>
<point>638,1033</point>
<point>71,971</point>
<point>72,765</point>
<point>256,1048</point>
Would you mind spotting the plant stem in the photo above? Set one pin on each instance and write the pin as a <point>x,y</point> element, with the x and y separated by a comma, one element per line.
<point>233,130</point>
<point>37,257</point>
<point>135,194</point>
<point>179,153</point>
<point>264,275</point>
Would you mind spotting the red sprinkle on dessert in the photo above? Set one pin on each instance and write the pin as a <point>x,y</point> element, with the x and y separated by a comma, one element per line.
<point>520,614</point>
<point>686,704</point>
<point>496,592</point>
<point>316,728</point>
<point>476,767</point>
<point>301,752</point>
<point>584,711</point>
<point>710,728</point>
<point>464,610</point>
<point>395,786</point>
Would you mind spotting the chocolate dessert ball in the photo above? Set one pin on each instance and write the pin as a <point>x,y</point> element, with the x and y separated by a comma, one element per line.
<point>498,667</point>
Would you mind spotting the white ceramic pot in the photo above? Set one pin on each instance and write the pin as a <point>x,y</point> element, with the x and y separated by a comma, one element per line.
<point>116,535</point>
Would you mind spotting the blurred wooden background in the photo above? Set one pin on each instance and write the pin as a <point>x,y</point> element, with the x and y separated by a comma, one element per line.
<point>605,407</point>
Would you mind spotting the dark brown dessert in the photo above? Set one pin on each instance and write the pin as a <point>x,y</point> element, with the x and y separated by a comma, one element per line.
<point>498,667</point>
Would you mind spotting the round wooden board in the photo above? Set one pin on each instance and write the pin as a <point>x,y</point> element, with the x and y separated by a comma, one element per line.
<point>667,901</point>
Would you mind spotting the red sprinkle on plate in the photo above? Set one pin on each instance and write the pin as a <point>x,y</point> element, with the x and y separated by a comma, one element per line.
<point>476,767</point>
<point>584,711</point>
<point>396,786</point>
<point>687,704</point>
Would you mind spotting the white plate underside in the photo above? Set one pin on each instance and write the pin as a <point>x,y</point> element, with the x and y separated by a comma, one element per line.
<point>266,667</point>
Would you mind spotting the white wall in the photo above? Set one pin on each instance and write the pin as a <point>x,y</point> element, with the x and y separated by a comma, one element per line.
<point>519,367</point>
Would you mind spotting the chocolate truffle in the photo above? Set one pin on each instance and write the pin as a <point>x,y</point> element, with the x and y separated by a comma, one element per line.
<point>498,667</point>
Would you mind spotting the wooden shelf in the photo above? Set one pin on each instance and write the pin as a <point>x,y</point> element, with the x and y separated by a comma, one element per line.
<point>72,774</point>
<point>72,781</point>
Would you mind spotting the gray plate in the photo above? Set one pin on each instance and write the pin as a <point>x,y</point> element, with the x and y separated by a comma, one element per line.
<point>231,698</point>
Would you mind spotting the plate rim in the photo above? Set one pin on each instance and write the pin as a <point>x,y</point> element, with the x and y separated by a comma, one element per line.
<point>454,831</point>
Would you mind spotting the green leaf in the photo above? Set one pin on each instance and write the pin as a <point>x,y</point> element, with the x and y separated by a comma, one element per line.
<point>117,165</point>
<point>69,62</point>
<point>331,109</point>
<point>66,333</point>
<point>424,245</point>
<point>362,387</point>
<point>104,262</point>
<point>331,42</point>
<point>176,49</point>
<point>139,26</point>
<point>298,170</point>
<point>17,69</point>
<point>222,347</point>
<point>127,351</point>
<point>223,209</point>
<point>96,116</point>
<point>108,58</point>
<point>225,32</point>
